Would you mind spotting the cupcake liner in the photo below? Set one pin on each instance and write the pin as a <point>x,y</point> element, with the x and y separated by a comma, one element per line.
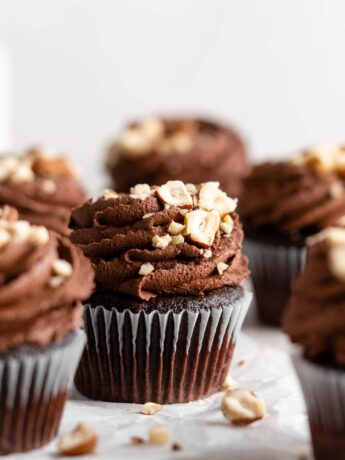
<point>273,268</point>
<point>162,357</point>
<point>324,393</point>
<point>33,390</point>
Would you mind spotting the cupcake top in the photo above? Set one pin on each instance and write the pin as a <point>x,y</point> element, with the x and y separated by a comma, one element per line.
<point>297,197</point>
<point>41,186</point>
<point>42,278</point>
<point>155,150</point>
<point>315,317</point>
<point>162,240</point>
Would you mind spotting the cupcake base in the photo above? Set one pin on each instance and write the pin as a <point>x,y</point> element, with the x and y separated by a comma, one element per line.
<point>273,268</point>
<point>324,392</point>
<point>33,390</point>
<point>168,350</point>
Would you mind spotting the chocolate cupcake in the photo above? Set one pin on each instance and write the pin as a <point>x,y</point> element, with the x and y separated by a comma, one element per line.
<point>42,279</point>
<point>42,187</point>
<point>282,205</point>
<point>156,150</point>
<point>315,319</point>
<point>168,306</point>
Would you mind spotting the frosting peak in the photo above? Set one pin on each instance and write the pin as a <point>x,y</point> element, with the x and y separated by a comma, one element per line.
<point>171,239</point>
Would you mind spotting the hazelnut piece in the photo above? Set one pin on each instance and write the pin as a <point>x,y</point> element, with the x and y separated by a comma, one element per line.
<point>202,226</point>
<point>150,408</point>
<point>212,198</point>
<point>83,440</point>
<point>242,407</point>
<point>174,193</point>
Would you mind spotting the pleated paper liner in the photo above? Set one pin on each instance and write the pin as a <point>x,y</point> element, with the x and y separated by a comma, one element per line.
<point>273,268</point>
<point>324,393</point>
<point>165,357</point>
<point>33,390</point>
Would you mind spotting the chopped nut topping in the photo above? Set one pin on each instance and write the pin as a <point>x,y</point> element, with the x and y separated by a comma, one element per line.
<point>202,226</point>
<point>81,441</point>
<point>140,191</point>
<point>8,213</point>
<point>212,198</point>
<point>150,408</point>
<point>4,237</point>
<point>191,188</point>
<point>23,173</point>
<point>229,383</point>
<point>336,190</point>
<point>56,281</point>
<point>222,267</point>
<point>179,142</point>
<point>109,194</point>
<point>174,193</point>
<point>334,235</point>
<point>146,269</point>
<point>158,435</point>
<point>140,139</point>
<point>39,235</point>
<point>207,253</point>
<point>323,158</point>
<point>62,268</point>
<point>177,239</point>
<point>148,215</point>
<point>53,167</point>
<point>341,221</point>
<point>20,231</point>
<point>227,224</point>
<point>337,262</point>
<point>136,441</point>
<point>8,165</point>
<point>176,447</point>
<point>175,228</point>
<point>161,242</point>
<point>242,407</point>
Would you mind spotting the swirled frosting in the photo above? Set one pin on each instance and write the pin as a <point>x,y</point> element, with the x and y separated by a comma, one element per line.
<point>315,317</point>
<point>291,198</point>
<point>143,246</point>
<point>43,277</point>
<point>43,188</point>
<point>194,150</point>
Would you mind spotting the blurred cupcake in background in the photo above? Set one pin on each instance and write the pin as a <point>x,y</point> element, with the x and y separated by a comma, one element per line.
<point>155,150</point>
<point>43,277</point>
<point>43,187</point>
<point>168,306</point>
<point>283,204</point>
<point>315,320</point>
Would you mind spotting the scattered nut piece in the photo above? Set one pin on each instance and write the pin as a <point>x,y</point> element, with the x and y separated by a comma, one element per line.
<point>56,281</point>
<point>39,235</point>
<point>222,267</point>
<point>176,447</point>
<point>242,407</point>
<point>229,383</point>
<point>148,215</point>
<point>146,269</point>
<point>140,191</point>
<point>19,230</point>
<point>4,237</point>
<point>161,242</point>
<point>334,235</point>
<point>179,142</point>
<point>53,167</point>
<point>241,362</point>
<point>8,165</point>
<point>61,267</point>
<point>336,190</point>
<point>341,221</point>
<point>207,253</point>
<point>174,193</point>
<point>177,239</point>
<point>191,188</point>
<point>49,186</point>
<point>337,262</point>
<point>212,198</point>
<point>140,139</point>
<point>202,226</point>
<point>227,224</point>
<point>175,228</point>
<point>8,213</point>
<point>81,441</point>
<point>136,440</point>
<point>22,173</point>
<point>150,408</point>
<point>158,435</point>
<point>109,194</point>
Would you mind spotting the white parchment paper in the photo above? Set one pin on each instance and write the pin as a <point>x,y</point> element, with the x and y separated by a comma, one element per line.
<point>200,428</point>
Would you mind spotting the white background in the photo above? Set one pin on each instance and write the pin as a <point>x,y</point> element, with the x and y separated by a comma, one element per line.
<point>80,68</point>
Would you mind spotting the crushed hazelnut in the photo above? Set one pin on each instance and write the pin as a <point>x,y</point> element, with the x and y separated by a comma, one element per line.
<point>109,194</point>
<point>175,228</point>
<point>150,408</point>
<point>56,166</point>
<point>229,383</point>
<point>174,193</point>
<point>140,139</point>
<point>148,215</point>
<point>62,268</point>
<point>140,191</point>
<point>161,242</point>
<point>81,441</point>
<point>191,188</point>
<point>222,267</point>
<point>336,258</point>
<point>146,269</point>
<point>202,226</point>
<point>8,165</point>
<point>39,235</point>
<point>334,235</point>
<point>22,173</point>
<point>4,237</point>
<point>136,441</point>
<point>242,407</point>
<point>227,224</point>
<point>177,239</point>
<point>207,253</point>
<point>158,435</point>
<point>336,190</point>
<point>48,185</point>
<point>211,197</point>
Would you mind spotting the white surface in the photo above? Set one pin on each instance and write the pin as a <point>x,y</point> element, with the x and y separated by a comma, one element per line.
<point>82,67</point>
<point>200,427</point>
<point>4,99</point>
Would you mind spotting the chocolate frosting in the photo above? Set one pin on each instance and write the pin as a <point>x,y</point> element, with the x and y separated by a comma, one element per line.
<point>285,198</point>
<point>315,317</point>
<point>114,235</point>
<point>31,311</point>
<point>216,153</point>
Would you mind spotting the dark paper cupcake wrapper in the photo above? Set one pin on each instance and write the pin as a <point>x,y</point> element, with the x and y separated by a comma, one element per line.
<point>273,269</point>
<point>33,390</point>
<point>165,358</point>
<point>324,393</point>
